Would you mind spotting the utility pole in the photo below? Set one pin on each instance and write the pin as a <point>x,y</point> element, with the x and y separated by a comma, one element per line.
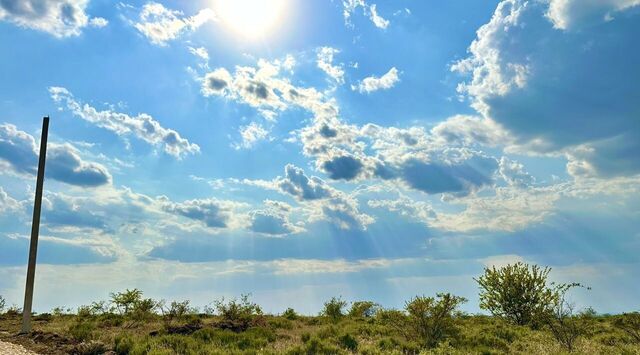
<point>35,230</point>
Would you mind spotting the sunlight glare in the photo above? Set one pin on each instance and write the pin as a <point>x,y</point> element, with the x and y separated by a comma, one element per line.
<point>251,18</point>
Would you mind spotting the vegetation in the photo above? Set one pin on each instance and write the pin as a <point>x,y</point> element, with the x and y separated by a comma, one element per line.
<point>538,320</point>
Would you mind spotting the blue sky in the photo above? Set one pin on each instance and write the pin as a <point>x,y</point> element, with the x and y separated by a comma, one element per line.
<point>299,150</point>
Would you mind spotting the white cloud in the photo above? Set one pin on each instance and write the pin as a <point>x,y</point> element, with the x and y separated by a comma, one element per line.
<point>142,126</point>
<point>570,14</point>
<point>372,83</point>
<point>350,7</point>
<point>19,150</point>
<point>251,134</point>
<point>560,109</point>
<point>7,203</point>
<point>213,213</point>
<point>325,62</point>
<point>60,18</point>
<point>161,25</point>
<point>98,22</point>
<point>200,52</point>
<point>377,19</point>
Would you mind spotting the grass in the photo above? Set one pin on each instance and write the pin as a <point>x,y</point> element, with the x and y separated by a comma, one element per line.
<point>295,334</point>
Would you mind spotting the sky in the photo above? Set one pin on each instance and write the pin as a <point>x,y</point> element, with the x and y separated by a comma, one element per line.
<point>298,150</point>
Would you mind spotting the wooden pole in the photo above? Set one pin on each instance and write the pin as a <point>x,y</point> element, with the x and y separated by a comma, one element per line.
<point>35,230</point>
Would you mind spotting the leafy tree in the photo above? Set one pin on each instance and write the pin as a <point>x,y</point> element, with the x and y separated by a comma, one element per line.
<point>334,308</point>
<point>432,319</point>
<point>363,309</point>
<point>2,304</point>
<point>124,302</point>
<point>519,293</point>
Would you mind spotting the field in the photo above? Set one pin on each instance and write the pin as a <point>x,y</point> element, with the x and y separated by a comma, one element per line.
<point>239,327</point>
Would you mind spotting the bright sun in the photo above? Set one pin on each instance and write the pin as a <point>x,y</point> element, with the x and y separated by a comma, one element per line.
<point>251,18</point>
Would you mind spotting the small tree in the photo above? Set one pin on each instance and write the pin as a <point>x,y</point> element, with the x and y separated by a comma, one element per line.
<point>363,309</point>
<point>519,293</point>
<point>3,303</point>
<point>334,308</point>
<point>432,319</point>
<point>563,324</point>
<point>124,302</point>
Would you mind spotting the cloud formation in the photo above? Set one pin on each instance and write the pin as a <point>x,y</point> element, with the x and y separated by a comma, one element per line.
<point>161,25</point>
<point>60,18</point>
<point>571,14</point>
<point>561,107</point>
<point>373,83</point>
<point>325,63</point>
<point>19,150</point>
<point>350,7</point>
<point>141,126</point>
<point>213,213</point>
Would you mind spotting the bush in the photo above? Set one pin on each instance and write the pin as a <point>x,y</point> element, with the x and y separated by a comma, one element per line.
<point>238,315</point>
<point>333,308</point>
<point>124,302</point>
<point>519,293</point>
<point>630,324</point>
<point>2,304</point>
<point>348,342</point>
<point>89,348</point>
<point>123,344</point>
<point>82,331</point>
<point>564,326</point>
<point>432,319</point>
<point>315,346</point>
<point>363,309</point>
<point>290,314</point>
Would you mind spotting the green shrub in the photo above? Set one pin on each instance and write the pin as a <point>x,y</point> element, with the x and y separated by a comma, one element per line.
<point>238,315</point>
<point>305,337</point>
<point>290,314</point>
<point>82,331</point>
<point>519,293</point>
<point>124,302</point>
<point>630,324</point>
<point>432,319</point>
<point>348,342</point>
<point>123,344</point>
<point>334,308</point>
<point>315,346</point>
<point>363,309</point>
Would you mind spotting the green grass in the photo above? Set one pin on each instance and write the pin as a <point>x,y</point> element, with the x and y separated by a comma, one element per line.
<point>93,334</point>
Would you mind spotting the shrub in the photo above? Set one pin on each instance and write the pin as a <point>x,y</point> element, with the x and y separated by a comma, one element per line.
<point>123,344</point>
<point>90,348</point>
<point>564,326</point>
<point>2,304</point>
<point>315,346</point>
<point>290,314</point>
<point>124,302</point>
<point>630,324</point>
<point>348,342</point>
<point>238,315</point>
<point>432,319</point>
<point>82,331</point>
<point>363,309</point>
<point>333,308</point>
<point>519,293</point>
